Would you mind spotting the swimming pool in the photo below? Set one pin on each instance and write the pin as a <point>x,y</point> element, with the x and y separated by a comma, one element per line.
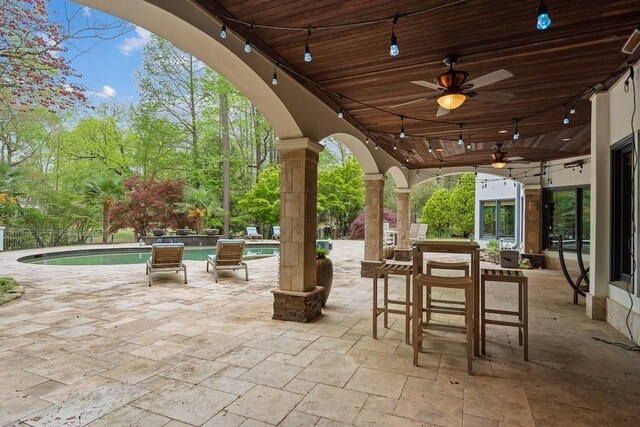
<point>118,256</point>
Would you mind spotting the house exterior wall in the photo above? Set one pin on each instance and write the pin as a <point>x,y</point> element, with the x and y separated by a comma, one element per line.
<point>497,189</point>
<point>611,122</point>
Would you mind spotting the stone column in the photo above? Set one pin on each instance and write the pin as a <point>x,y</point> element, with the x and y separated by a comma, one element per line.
<point>596,301</point>
<point>532,219</point>
<point>373,200</point>
<point>403,250</point>
<point>297,298</point>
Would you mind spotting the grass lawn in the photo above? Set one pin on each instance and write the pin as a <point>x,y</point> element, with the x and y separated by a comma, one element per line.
<point>6,284</point>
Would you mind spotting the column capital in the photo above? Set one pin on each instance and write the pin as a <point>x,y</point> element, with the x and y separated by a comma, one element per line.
<point>403,190</point>
<point>373,177</point>
<point>299,144</point>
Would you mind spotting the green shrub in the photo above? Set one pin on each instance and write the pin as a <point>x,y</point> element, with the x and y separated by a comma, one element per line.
<point>321,253</point>
<point>493,246</point>
<point>6,284</point>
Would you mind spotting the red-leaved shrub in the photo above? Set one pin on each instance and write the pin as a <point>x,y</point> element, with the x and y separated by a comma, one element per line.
<point>356,229</point>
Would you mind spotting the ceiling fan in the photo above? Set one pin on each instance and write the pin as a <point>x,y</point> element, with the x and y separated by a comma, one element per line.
<point>499,159</point>
<point>455,89</point>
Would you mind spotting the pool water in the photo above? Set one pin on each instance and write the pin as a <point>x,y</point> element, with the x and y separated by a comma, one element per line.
<point>136,256</point>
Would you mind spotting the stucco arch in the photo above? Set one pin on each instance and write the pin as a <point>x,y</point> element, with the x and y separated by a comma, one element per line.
<point>359,150</point>
<point>223,58</point>
<point>399,178</point>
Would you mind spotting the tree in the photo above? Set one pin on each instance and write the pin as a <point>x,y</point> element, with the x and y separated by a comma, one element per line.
<point>199,204</point>
<point>149,204</point>
<point>462,204</point>
<point>437,211</point>
<point>105,190</point>
<point>356,229</point>
<point>262,202</point>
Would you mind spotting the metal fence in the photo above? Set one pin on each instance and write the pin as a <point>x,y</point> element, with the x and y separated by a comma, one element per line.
<point>16,238</point>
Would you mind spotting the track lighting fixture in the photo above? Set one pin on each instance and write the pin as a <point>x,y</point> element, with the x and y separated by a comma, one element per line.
<point>542,13</point>
<point>223,31</point>
<point>402,134</point>
<point>307,51</point>
<point>393,49</point>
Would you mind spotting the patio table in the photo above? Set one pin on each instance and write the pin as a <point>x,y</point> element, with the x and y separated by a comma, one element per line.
<point>454,247</point>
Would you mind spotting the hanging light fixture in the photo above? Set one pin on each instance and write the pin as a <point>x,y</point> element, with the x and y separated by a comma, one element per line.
<point>366,140</point>
<point>542,13</point>
<point>340,113</point>
<point>440,167</point>
<point>274,80</point>
<point>468,146</point>
<point>565,121</point>
<point>402,134</point>
<point>375,146</point>
<point>497,158</point>
<point>395,145</point>
<point>516,134</point>
<point>223,31</point>
<point>572,110</point>
<point>460,139</point>
<point>393,49</point>
<point>307,51</point>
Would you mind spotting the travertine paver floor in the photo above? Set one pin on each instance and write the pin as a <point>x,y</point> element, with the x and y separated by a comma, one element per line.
<point>96,346</point>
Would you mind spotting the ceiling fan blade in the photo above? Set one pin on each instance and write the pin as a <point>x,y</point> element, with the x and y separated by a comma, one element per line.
<point>428,85</point>
<point>500,97</point>
<point>415,101</point>
<point>489,79</point>
<point>442,112</point>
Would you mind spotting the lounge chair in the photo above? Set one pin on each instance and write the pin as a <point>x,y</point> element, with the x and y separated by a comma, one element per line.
<point>418,232</point>
<point>276,232</point>
<point>166,257</point>
<point>252,233</point>
<point>228,256</point>
<point>389,234</point>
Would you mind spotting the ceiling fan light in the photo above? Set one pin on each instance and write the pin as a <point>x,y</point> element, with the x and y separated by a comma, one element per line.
<point>499,164</point>
<point>451,101</point>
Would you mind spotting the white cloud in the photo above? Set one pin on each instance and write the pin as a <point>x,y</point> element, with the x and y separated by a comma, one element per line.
<point>107,92</point>
<point>132,44</point>
<point>86,11</point>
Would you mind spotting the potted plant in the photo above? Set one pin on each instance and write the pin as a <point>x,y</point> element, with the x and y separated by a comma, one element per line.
<point>183,231</point>
<point>324,272</point>
<point>211,231</point>
<point>159,232</point>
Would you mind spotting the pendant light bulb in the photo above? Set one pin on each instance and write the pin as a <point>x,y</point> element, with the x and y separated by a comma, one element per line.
<point>430,149</point>
<point>223,31</point>
<point>516,134</point>
<point>375,147</point>
<point>247,45</point>
<point>402,134</point>
<point>393,48</point>
<point>340,113</point>
<point>274,80</point>
<point>468,146</point>
<point>573,109</point>
<point>307,51</point>
<point>566,119</point>
<point>542,13</point>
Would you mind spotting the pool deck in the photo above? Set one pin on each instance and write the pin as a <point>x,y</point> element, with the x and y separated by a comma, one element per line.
<point>94,345</point>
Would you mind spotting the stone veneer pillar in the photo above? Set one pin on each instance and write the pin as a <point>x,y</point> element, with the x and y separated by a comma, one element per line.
<point>373,232</point>
<point>596,301</point>
<point>297,298</point>
<point>403,250</point>
<point>532,219</point>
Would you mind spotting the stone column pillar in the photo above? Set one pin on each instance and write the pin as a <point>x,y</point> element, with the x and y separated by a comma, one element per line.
<point>596,302</point>
<point>297,298</point>
<point>373,232</point>
<point>403,250</point>
<point>532,219</point>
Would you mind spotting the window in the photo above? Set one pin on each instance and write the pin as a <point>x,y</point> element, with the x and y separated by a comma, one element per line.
<point>567,213</point>
<point>621,210</point>
<point>498,219</point>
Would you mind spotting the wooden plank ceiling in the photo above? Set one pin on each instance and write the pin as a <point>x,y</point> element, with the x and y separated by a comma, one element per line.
<point>579,50</point>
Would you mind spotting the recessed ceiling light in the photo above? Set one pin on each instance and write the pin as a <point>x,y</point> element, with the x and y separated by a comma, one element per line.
<point>566,139</point>
<point>503,131</point>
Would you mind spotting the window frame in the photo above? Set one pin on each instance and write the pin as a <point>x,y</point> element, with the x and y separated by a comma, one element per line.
<point>546,197</point>
<point>497,236</point>
<point>617,151</point>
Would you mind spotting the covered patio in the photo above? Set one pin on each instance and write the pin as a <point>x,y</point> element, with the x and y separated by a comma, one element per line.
<point>87,346</point>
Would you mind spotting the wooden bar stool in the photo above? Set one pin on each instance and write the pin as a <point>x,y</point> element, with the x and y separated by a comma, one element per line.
<point>507,276</point>
<point>399,269</point>
<point>437,307</point>
<point>421,281</point>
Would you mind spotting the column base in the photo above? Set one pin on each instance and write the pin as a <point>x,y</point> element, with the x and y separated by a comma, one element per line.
<point>403,254</point>
<point>366,267</point>
<point>297,306</point>
<point>596,307</point>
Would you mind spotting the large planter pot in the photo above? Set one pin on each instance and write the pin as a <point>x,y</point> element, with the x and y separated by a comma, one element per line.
<point>324,276</point>
<point>388,252</point>
<point>159,232</point>
<point>183,231</point>
<point>211,231</point>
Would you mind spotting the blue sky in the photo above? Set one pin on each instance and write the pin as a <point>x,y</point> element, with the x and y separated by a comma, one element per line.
<point>107,68</point>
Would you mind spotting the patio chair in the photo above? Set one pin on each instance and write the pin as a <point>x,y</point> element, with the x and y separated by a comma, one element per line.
<point>413,232</point>
<point>166,257</point>
<point>389,234</point>
<point>228,256</point>
<point>252,233</point>
<point>276,232</point>
<point>422,231</point>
